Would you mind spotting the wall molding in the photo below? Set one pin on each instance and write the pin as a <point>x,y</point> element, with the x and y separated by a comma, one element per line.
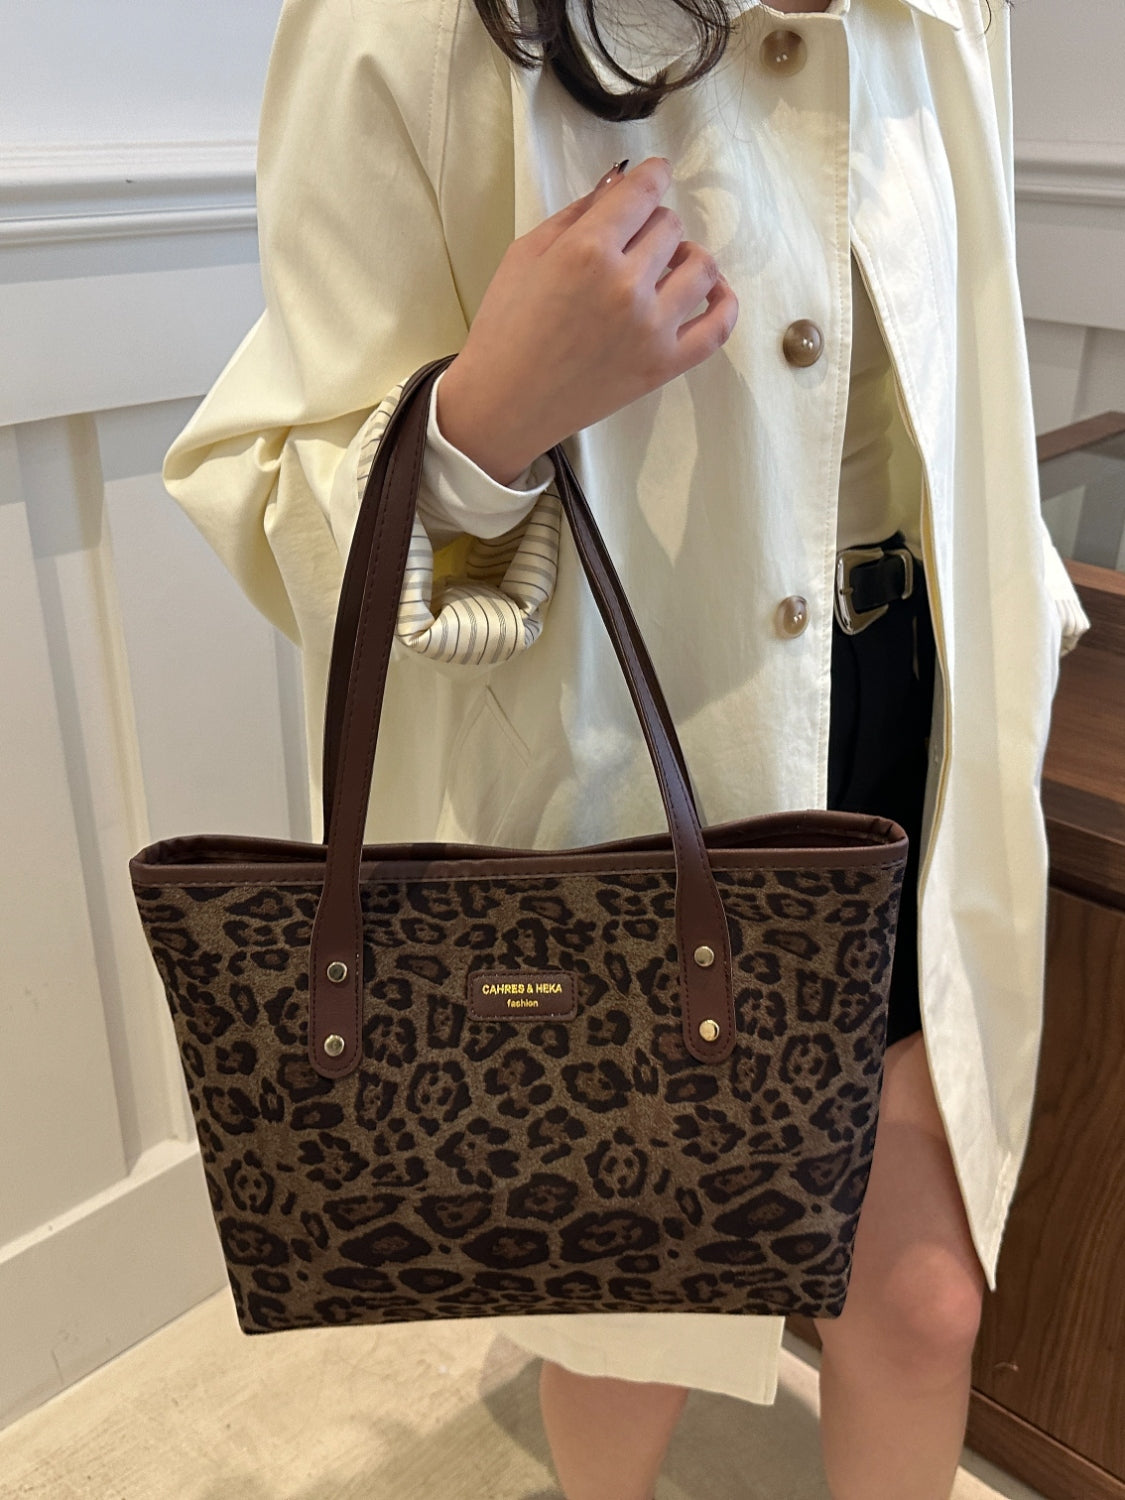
<point>1074,173</point>
<point>58,194</point>
<point>132,189</point>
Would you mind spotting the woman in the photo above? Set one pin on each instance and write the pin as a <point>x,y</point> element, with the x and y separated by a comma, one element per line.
<point>860,363</point>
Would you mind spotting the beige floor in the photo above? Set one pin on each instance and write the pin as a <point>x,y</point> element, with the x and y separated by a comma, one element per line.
<point>199,1411</point>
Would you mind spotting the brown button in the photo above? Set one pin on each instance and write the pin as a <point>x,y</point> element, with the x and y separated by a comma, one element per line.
<point>792,615</point>
<point>803,343</point>
<point>784,52</point>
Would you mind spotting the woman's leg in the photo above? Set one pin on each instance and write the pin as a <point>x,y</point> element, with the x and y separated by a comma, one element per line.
<point>896,1365</point>
<point>895,1372</point>
<point>608,1437</point>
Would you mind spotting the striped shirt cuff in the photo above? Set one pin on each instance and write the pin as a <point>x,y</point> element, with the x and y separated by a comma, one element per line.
<point>496,608</point>
<point>1072,617</point>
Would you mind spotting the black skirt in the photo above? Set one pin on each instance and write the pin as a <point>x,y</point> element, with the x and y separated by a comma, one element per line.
<point>878,754</point>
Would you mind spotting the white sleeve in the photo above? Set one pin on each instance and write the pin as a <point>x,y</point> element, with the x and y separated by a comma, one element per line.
<point>455,495</point>
<point>1074,619</point>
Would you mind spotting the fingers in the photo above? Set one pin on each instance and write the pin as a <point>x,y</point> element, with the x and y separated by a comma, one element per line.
<point>692,274</point>
<point>555,223</point>
<point>658,245</point>
<point>700,336</point>
<point>629,200</point>
<point>620,210</point>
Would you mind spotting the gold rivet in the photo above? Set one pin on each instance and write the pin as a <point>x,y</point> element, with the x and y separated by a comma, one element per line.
<point>704,956</point>
<point>337,972</point>
<point>334,1044</point>
<point>709,1030</point>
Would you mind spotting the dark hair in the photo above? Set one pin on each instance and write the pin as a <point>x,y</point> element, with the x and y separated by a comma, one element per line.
<point>562,52</point>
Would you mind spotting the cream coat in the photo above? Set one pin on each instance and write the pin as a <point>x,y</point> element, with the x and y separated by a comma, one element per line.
<point>398,157</point>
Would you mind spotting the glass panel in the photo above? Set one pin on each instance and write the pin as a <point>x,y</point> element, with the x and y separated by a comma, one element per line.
<point>1083,495</point>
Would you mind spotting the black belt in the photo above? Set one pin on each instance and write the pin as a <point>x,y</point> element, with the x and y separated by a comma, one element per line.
<point>869,580</point>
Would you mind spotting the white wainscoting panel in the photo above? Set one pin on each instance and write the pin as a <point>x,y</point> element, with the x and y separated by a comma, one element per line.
<point>56,1057</point>
<point>1070,235</point>
<point>143,697</point>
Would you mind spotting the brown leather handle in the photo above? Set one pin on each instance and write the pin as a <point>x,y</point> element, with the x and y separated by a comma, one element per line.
<point>365,626</point>
<point>351,596</point>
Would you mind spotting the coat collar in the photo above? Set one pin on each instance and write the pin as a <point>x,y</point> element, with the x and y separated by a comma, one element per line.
<point>941,10</point>
<point>643,38</point>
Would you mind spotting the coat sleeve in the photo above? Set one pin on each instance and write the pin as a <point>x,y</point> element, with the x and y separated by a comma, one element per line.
<point>361,288</point>
<point>1072,616</point>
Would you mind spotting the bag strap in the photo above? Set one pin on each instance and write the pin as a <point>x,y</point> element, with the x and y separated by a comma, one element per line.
<point>365,626</point>
<point>582,525</point>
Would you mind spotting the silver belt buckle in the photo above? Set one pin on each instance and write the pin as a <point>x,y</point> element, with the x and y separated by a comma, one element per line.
<point>851,621</point>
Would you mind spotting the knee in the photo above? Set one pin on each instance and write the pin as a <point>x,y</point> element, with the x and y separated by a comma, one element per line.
<point>923,1320</point>
<point>933,1312</point>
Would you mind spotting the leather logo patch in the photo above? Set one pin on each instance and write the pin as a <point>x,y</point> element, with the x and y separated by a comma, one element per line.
<point>522,995</point>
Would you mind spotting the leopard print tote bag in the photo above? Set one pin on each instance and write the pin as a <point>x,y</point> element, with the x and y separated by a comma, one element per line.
<point>455,1081</point>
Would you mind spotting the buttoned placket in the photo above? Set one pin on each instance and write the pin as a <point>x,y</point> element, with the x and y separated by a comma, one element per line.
<point>785,51</point>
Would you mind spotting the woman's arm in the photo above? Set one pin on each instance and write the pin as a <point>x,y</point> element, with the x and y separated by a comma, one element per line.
<point>360,291</point>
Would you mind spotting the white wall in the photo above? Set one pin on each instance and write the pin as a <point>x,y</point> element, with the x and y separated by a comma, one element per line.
<point>132,70</point>
<point>128,274</point>
<point>1067,58</point>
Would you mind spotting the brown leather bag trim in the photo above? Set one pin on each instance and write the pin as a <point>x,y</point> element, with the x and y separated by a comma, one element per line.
<point>204,877</point>
<point>198,859</point>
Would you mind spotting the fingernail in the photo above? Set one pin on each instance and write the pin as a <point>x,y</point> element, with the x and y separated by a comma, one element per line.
<point>621,165</point>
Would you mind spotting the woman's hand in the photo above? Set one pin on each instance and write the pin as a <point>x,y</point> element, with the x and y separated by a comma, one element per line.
<point>579,320</point>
